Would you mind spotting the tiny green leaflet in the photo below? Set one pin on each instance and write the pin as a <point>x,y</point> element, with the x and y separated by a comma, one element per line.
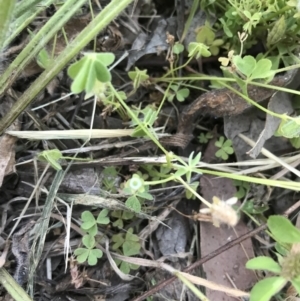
<point>289,128</point>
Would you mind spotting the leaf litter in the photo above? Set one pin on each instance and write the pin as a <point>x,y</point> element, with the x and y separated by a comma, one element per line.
<point>139,240</point>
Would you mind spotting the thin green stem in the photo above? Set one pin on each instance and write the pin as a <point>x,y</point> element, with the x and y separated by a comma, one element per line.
<point>162,181</point>
<point>274,183</point>
<point>281,116</point>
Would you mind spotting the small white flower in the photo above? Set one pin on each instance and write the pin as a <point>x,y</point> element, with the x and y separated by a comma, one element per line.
<point>222,212</point>
<point>136,182</point>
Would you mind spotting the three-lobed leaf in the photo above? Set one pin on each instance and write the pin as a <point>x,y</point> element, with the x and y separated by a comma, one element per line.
<point>81,254</point>
<point>90,69</point>
<point>198,49</point>
<point>253,69</point>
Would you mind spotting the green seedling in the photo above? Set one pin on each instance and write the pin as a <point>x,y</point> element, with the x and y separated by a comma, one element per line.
<point>190,195</point>
<point>198,50</point>
<point>204,138</point>
<point>110,100</point>
<point>253,20</point>
<point>148,119</point>
<point>181,94</point>
<point>206,36</point>
<point>89,71</point>
<point>289,128</point>
<point>178,48</point>
<point>125,267</point>
<point>243,188</point>
<point>52,157</point>
<point>225,148</point>
<point>109,175</point>
<point>187,169</point>
<point>138,77</point>
<point>44,60</point>
<point>121,216</point>
<point>90,224</point>
<point>253,69</point>
<point>89,253</point>
<point>251,208</point>
<point>137,191</point>
<point>163,172</point>
<point>129,244</point>
<point>288,267</point>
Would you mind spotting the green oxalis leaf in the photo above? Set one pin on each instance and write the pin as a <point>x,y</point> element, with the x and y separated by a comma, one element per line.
<point>225,148</point>
<point>90,223</point>
<point>88,254</point>
<point>92,67</point>
<point>131,245</point>
<point>253,69</point>
<point>198,49</point>
<point>91,256</point>
<point>178,48</point>
<point>121,215</point>
<point>118,240</point>
<point>182,94</point>
<point>129,242</point>
<point>102,217</point>
<point>203,138</point>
